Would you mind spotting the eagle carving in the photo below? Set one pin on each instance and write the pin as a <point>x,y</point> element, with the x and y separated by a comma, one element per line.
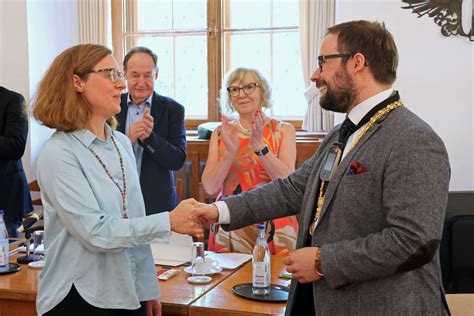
<point>455,17</point>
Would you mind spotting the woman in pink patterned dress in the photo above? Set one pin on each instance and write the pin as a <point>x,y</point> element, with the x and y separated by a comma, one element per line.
<point>246,152</point>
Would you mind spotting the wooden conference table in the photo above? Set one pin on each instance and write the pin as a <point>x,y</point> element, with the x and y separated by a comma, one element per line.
<point>18,294</point>
<point>18,291</point>
<point>220,300</point>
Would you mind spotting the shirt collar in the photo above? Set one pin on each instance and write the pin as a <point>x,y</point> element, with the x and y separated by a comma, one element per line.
<point>86,137</point>
<point>360,110</point>
<point>147,102</point>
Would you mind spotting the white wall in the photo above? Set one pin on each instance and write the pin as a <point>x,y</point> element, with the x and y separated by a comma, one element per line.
<point>14,46</point>
<point>14,53</point>
<point>435,77</point>
<point>32,34</point>
<point>52,27</point>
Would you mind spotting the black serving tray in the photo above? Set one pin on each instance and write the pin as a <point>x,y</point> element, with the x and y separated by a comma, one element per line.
<point>278,293</point>
<point>12,267</point>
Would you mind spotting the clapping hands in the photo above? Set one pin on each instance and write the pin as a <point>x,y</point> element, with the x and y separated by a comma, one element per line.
<point>141,129</point>
<point>256,139</point>
<point>231,138</point>
<point>229,135</point>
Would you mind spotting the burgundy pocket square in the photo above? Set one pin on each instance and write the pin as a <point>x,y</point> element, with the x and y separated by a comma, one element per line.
<point>355,168</point>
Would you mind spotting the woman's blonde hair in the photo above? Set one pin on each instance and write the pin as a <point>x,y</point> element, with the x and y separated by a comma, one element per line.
<point>238,75</point>
<point>57,104</point>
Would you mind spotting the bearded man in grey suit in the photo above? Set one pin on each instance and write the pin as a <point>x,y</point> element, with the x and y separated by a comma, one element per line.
<point>371,200</point>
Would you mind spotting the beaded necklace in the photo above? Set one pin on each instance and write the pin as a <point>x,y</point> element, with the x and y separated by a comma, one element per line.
<point>364,130</point>
<point>123,192</point>
<point>243,129</point>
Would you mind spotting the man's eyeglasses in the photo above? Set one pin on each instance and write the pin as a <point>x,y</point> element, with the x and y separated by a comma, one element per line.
<point>114,74</point>
<point>322,58</point>
<point>234,91</point>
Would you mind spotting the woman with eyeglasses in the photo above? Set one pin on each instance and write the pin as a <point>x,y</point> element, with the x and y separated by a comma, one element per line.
<point>98,257</point>
<point>246,152</point>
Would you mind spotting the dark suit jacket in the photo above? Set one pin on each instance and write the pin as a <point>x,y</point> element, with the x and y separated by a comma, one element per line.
<point>163,151</point>
<point>15,197</point>
<point>378,232</point>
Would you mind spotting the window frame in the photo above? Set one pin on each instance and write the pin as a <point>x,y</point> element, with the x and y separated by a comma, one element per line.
<point>215,32</point>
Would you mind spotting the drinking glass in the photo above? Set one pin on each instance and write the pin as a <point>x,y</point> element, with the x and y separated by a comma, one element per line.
<point>197,255</point>
<point>38,236</point>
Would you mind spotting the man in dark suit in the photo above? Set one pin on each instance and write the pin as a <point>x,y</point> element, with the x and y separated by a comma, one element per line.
<point>371,200</point>
<point>15,197</point>
<point>155,126</point>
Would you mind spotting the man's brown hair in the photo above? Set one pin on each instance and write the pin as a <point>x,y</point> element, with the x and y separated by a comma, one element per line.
<point>372,40</point>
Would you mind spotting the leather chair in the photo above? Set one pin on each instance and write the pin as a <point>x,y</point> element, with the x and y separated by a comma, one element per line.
<point>457,254</point>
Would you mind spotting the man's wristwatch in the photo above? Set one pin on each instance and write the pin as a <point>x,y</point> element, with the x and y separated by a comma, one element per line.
<point>317,263</point>
<point>262,152</point>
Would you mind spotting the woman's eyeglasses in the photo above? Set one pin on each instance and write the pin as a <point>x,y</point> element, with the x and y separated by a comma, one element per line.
<point>234,91</point>
<point>114,74</point>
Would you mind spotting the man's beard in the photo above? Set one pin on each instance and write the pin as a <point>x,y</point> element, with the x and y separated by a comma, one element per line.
<point>341,95</point>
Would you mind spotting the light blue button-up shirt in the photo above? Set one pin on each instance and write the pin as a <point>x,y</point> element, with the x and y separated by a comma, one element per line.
<point>87,242</point>
<point>135,113</point>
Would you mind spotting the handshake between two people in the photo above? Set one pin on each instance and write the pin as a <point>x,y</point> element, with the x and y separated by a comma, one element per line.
<point>190,217</point>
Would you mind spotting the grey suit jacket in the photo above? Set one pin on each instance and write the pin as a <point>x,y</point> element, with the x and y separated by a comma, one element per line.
<point>379,231</point>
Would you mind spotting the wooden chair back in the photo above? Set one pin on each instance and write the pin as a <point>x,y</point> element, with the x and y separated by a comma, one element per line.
<point>35,193</point>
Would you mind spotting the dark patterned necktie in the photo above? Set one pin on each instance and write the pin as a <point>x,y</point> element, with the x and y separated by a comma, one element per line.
<point>347,128</point>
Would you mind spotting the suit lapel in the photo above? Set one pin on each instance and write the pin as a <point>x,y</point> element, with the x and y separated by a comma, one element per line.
<point>122,116</point>
<point>156,108</point>
<point>343,166</point>
<point>306,217</point>
<point>341,169</point>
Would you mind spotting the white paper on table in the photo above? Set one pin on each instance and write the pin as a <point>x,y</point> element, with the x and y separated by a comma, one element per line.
<point>230,260</point>
<point>174,253</point>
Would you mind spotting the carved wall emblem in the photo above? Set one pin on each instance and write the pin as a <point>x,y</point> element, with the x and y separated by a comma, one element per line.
<point>455,17</point>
